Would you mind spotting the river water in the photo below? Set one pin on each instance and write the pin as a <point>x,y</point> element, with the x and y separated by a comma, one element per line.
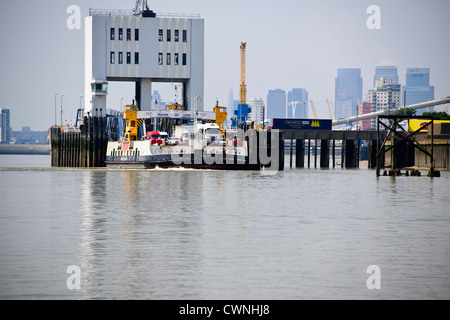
<point>199,234</point>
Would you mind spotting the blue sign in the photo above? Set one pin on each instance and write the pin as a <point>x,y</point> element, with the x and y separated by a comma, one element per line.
<point>301,124</point>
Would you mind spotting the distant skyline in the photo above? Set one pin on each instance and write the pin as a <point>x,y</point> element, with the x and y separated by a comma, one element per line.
<point>417,88</point>
<point>348,92</point>
<point>290,44</point>
<point>388,70</point>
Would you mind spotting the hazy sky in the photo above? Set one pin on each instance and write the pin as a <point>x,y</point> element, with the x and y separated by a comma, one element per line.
<point>290,44</point>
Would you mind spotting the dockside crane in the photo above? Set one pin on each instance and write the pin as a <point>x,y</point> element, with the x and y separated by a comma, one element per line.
<point>243,85</point>
<point>243,108</point>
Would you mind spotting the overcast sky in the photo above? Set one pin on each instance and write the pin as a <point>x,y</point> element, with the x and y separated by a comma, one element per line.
<point>290,44</point>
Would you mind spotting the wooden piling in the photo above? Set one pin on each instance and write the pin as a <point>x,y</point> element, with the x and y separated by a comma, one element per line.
<point>300,153</point>
<point>350,154</point>
<point>324,153</point>
<point>86,148</point>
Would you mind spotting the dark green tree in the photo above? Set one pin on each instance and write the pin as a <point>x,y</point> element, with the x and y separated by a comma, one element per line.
<point>405,112</point>
<point>437,115</point>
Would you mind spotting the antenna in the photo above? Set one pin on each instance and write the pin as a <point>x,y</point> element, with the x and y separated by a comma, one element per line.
<point>141,7</point>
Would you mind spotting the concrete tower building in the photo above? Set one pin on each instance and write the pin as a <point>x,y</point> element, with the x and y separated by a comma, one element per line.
<point>142,47</point>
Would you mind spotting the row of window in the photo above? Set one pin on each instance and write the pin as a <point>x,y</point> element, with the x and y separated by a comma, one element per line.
<point>112,57</point>
<point>169,59</point>
<point>176,58</point>
<point>176,35</point>
<point>113,34</point>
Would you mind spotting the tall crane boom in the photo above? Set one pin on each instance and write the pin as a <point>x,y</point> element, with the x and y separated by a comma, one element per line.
<point>243,86</point>
<point>313,109</point>
<point>330,109</point>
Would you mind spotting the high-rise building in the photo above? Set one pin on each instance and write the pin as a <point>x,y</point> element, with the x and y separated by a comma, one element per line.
<point>386,69</point>
<point>257,114</point>
<point>297,99</point>
<point>418,87</point>
<point>366,107</point>
<point>276,104</point>
<point>385,95</point>
<point>348,92</point>
<point>5,126</point>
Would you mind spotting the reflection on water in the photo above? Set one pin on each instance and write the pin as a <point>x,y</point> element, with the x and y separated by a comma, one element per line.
<point>188,234</point>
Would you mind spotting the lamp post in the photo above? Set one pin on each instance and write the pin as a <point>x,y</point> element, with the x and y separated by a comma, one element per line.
<point>293,104</point>
<point>121,104</point>
<point>55,107</point>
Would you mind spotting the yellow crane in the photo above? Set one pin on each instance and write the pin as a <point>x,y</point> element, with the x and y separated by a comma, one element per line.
<point>313,109</point>
<point>243,86</point>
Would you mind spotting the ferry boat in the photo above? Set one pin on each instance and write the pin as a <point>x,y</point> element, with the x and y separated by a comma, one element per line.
<point>201,145</point>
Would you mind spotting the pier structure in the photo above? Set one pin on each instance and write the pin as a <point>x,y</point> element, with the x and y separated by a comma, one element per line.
<point>323,145</point>
<point>426,147</point>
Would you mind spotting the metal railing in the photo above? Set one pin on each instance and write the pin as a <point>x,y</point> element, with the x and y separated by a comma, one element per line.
<point>126,12</point>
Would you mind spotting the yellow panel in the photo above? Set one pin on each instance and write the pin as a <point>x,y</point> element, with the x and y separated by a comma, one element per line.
<point>415,124</point>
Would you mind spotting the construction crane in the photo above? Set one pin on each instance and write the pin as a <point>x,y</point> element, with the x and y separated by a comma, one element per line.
<point>313,109</point>
<point>243,86</point>
<point>243,109</point>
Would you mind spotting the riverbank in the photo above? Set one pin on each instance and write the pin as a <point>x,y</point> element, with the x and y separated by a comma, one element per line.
<point>25,149</point>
